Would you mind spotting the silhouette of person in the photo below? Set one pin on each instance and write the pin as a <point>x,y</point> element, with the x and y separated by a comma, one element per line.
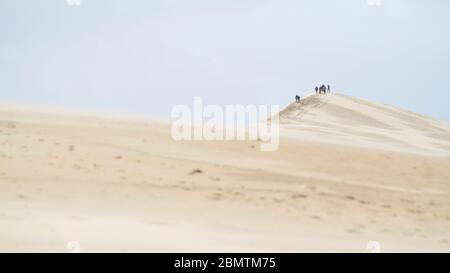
<point>317,89</point>
<point>328,88</point>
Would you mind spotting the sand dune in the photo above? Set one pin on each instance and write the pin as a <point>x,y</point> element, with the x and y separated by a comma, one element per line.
<point>346,120</point>
<point>347,172</point>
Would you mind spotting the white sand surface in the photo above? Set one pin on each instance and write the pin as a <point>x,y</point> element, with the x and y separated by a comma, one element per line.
<point>347,172</point>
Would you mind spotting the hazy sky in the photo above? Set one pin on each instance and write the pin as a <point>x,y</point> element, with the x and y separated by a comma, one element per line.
<point>145,56</point>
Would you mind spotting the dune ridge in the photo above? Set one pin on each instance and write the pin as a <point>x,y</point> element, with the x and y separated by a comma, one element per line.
<point>353,121</point>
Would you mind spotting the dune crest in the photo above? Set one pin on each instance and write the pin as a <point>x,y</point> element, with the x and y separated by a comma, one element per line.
<point>336,118</point>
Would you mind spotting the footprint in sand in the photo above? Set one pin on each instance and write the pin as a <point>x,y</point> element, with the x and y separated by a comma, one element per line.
<point>237,193</point>
<point>298,195</point>
<point>214,178</point>
<point>71,148</point>
<point>216,196</point>
<point>414,211</point>
<point>196,171</point>
<point>21,197</point>
<point>352,230</point>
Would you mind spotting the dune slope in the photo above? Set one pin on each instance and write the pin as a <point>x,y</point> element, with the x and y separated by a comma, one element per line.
<point>347,172</point>
<point>342,119</point>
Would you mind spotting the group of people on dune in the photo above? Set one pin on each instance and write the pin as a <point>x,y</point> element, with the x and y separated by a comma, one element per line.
<point>323,89</point>
<point>319,90</point>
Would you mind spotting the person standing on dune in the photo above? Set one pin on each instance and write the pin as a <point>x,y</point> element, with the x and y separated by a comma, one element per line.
<point>317,89</point>
<point>323,89</point>
<point>328,90</point>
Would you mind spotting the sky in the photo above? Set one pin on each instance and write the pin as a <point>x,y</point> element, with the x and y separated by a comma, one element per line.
<point>144,57</point>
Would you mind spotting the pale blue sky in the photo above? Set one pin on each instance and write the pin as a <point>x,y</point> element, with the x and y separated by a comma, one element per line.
<point>143,57</point>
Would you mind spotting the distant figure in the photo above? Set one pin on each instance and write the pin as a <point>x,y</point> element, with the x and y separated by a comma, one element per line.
<point>297,98</point>
<point>323,89</point>
<point>328,89</point>
<point>317,89</point>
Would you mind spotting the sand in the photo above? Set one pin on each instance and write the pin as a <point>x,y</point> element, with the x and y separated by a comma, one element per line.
<point>347,172</point>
